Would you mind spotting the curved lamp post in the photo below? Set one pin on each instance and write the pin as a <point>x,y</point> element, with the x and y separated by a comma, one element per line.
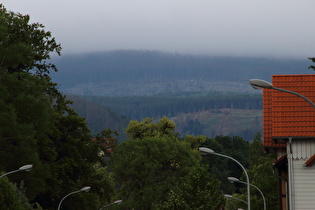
<point>115,202</point>
<point>259,84</point>
<point>231,197</point>
<point>233,179</point>
<point>211,152</point>
<point>23,168</point>
<point>84,189</point>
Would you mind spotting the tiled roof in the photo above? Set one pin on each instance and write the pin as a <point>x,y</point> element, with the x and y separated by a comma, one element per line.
<point>310,161</point>
<point>287,115</point>
<point>108,143</point>
<point>280,161</point>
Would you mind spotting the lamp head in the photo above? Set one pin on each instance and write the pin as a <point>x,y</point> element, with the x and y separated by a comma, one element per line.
<point>26,168</point>
<point>259,84</point>
<point>85,189</point>
<point>228,196</point>
<point>233,179</point>
<point>206,150</point>
<point>118,202</point>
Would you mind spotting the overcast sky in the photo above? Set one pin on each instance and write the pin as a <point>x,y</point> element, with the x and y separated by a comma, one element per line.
<point>282,28</point>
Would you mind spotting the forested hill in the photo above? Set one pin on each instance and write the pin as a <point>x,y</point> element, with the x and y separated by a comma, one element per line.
<point>140,107</point>
<point>135,72</point>
<point>209,114</point>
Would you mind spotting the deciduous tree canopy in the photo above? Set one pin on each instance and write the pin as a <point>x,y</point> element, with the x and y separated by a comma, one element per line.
<point>152,167</point>
<point>25,46</point>
<point>37,126</point>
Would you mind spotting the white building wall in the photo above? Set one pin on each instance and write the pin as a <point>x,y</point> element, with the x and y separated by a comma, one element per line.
<point>303,149</point>
<point>303,178</point>
<point>304,185</point>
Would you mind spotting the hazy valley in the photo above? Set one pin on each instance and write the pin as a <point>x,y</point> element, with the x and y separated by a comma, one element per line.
<point>202,95</point>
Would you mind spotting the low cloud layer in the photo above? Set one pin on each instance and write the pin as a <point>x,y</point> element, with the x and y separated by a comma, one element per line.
<point>213,27</point>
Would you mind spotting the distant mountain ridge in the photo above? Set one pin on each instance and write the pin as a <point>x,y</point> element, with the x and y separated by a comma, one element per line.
<point>204,95</point>
<point>136,72</point>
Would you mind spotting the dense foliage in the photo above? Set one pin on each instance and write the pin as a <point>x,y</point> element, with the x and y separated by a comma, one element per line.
<point>37,125</point>
<point>12,198</point>
<point>156,170</point>
<point>198,184</point>
<point>25,46</point>
<point>261,174</point>
<point>234,147</point>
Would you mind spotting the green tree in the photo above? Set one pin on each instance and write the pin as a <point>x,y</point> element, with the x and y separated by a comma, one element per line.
<point>76,161</point>
<point>106,133</point>
<point>312,66</point>
<point>261,175</point>
<point>147,169</point>
<point>25,46</point>
<point>12,198</point>
<point>235,147</point>
<point>152,166</point>
<point>24,120</point>
<point>37,125</point>
<point>199,183</point>
<point>146,128</point>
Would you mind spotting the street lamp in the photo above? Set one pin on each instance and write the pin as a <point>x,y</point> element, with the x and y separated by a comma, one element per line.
<point>259,84</point>
<point>211,152</point>
<point>233,179</point>
<point>23,168</point>
<point>115,202</point>
<point>231,197</point>
<point>84,189</point>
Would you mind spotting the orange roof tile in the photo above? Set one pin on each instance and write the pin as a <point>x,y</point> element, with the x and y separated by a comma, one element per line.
<point>287,115</point>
